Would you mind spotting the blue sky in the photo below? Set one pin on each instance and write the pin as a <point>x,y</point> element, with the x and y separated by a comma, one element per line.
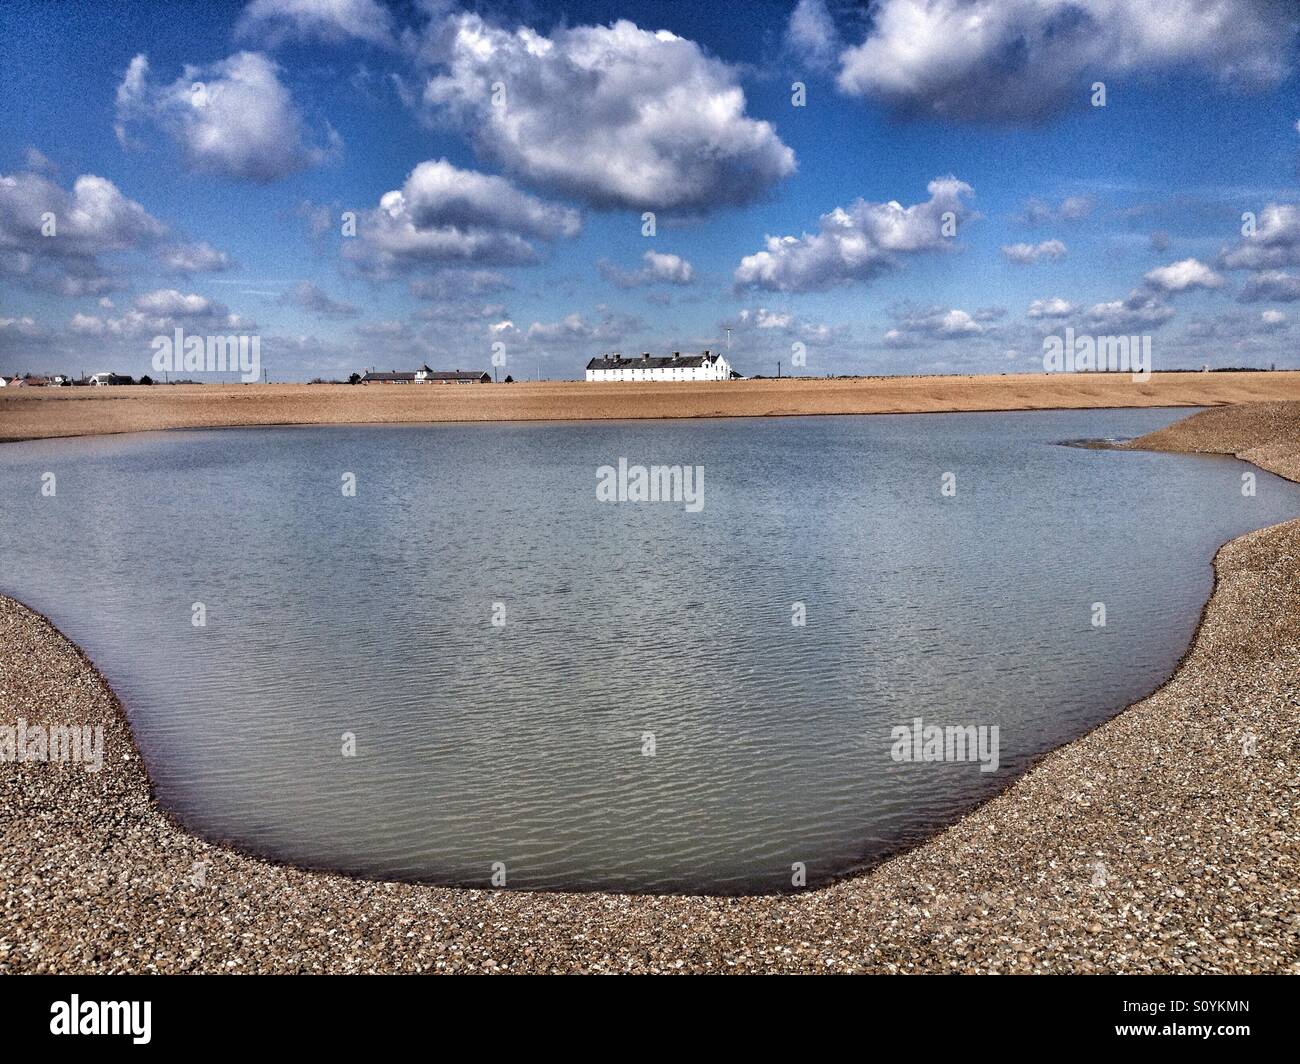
<point>199,160</point>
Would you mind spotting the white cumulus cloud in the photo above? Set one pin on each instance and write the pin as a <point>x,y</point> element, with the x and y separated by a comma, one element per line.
<point>1023,59</point>
<point>233,118</point>
<point>576,332</point>
<point>1183,276</point>
<point>770,330</point>
<point>1056,307</point>
<point>1271,286</point>
<point>856,243</point>
<point>54,239</point>
<point>1140,310</point>
<point>332,21</point>
<point>169,302</point>
<point>935,323</point>
<point>1026,254</point>
<point>659,268</point>
<point>445,215</point>
<point>195,258</point>
<point>1275,242</point>
<point>616,116</point>
<point>811,34</point>
<point>159,312</point>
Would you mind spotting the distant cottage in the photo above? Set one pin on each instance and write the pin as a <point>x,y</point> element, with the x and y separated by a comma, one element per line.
<point>674,367</point>
<point>425,375</point>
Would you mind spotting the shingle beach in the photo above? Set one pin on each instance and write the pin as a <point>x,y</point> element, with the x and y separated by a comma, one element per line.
<point>1166,840</point>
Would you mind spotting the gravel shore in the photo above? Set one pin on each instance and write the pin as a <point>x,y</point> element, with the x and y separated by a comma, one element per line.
<point>1267,434</point>
<point>1166,840</point>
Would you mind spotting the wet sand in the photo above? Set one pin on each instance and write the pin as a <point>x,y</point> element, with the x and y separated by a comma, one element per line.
<point>1165,840</point>
<point>29,413</point>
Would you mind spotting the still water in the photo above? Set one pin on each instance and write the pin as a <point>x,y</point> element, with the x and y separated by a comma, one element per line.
<point>644,714</point>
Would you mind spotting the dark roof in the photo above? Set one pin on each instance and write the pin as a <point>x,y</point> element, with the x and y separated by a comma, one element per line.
<point>433,375</point>
<point>456,374</point>
<point>388,376</point>
<point>651,362</point>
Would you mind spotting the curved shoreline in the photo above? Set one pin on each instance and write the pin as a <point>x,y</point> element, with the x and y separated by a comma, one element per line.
<point>1196,843</point>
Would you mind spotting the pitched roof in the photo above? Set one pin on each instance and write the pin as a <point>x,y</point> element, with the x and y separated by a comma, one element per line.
<point>455,374</point>
<point>388,376</point>
<point>616,361</point>
<point>429,374</point>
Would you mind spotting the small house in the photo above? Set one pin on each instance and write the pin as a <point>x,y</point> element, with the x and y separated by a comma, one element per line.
<point>425,375</point>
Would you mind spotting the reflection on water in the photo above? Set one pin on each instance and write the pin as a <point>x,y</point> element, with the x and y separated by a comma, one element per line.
<point>648,716</point>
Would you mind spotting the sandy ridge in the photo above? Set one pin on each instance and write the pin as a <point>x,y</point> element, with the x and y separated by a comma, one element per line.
<point>31,413</point>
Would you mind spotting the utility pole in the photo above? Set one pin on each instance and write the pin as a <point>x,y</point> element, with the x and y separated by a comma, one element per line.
<point>778,371</point>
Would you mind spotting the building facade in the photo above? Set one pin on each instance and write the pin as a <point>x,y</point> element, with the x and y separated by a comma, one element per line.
<point>425,375</point>
<point>675,367</point>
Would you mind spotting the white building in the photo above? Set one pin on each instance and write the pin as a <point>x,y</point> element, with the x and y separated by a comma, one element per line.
<point>674,367</point>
